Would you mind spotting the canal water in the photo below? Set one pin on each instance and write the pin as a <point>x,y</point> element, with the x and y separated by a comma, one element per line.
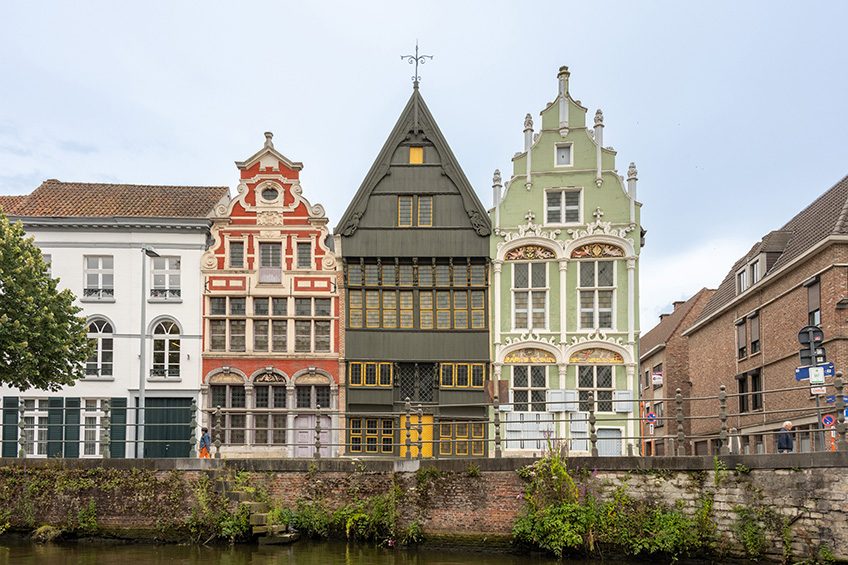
<point>16,552</point>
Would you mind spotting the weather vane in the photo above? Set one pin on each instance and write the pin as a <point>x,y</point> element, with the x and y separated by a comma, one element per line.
<point>416,59</point>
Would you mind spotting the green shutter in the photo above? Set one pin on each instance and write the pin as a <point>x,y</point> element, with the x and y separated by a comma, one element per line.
<point>10,426</point>
<point>118,428</point>
<point>72,427</point>
<point>55,425</point>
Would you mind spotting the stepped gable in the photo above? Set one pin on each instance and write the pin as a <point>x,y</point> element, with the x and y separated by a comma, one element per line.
<point>415,122</point>
<point>55,198</point>
<point>826,215</point>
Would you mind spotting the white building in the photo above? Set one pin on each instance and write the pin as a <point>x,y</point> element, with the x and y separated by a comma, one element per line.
<point>131,255</point>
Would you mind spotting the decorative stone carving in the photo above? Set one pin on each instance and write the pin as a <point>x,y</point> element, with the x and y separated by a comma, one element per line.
<point>596,355</point>
<point>596,337</point>
<point>270,378</point>
<point>598,227</point>
<point>530,230</point>
<point>528,337</point>
<point>530,355</point>
<point>221,210</point>
<point>269,218</point>
<point>599,118</point>
<point>478,223</point>
<point>528,122</point>
<point>632,172</point>
<point>208,260</point>
<point>530,252</point>
<point>350,227</point>
<point>597,250</point>
<point>496,178</point>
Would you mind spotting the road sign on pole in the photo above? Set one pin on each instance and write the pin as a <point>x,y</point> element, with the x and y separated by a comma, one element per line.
<point>827,420</point>
<point>802,373</point>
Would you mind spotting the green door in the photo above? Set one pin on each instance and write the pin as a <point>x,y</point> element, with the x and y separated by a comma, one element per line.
<point>167,429</point>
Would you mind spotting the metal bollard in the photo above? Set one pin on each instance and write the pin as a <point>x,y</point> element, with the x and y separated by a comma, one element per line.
<point>722,415</point>
<point>681,438</point>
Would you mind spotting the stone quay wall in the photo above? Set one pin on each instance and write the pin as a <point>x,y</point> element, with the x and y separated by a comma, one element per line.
<point>472,502</point>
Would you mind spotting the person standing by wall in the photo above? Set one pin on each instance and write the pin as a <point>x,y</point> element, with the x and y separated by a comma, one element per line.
<point>205,444</point>
<point>784,438</point>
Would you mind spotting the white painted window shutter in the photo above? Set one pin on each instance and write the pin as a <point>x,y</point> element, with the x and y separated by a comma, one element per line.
<point>624,400</point>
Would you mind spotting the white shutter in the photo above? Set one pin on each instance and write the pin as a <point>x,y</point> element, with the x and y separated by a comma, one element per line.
<point>507,407</point>
<point>556,400</point>
<point>571,401</point>
<point>623,400</point>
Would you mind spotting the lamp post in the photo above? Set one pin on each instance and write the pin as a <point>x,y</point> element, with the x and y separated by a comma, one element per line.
<point>146,251</point>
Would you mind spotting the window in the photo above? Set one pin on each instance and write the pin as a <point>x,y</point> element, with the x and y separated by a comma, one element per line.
<point>741,282</point>
<point>101,361</point>
<point>99,278</point>
<point>270,427</point>
<point>529,295</point>
<point>741,339</point>
<point>596,294</point>
<point>595,379</point>
<point>416,380</point>
<point>48,261</point>
<point>462,375</point>
<point>647,378</point>
<point>406,207</point>
<point>270,327</point>
<point>450,305</point>
<point>35,426</point>
<point>563,154</point>
<point>230,396</point>
<point>658,410</point>
<point>313,318</point>
<point>755,272</point>
<point>562,207</point>
<point>755,333</point>
<point>529,386</point>
<point>236,254</point>
<point>378,435</point>
<point>166,350</point>
<point>657,375</point>
<point>312,396</point>
<point>166,278</point>
<point>304,255</point>
<point>742,390</point>
<point>270,263</point>
<point>270,194</point>
<point>416,155</point>
<point>756,390</point>
<point>91,425</point>
<point>454,438</point>
<point>813,302</point>
<point>370,374</point>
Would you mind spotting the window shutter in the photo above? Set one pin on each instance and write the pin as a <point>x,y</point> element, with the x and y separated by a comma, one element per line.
<point>72,427</point>
<point>580,423</point>
<point>118,428</point>
<point>55,425</point>
<point>556,400</point>
<point>10,426</point>
<point>507,407</point>
<point>625,400</point>
<point>570,398</point>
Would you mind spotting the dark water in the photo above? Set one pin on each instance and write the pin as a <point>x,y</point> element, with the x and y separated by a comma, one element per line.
<point>300,553</point>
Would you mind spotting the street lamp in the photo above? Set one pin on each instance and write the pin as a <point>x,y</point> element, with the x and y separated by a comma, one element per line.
<point>146,251</point>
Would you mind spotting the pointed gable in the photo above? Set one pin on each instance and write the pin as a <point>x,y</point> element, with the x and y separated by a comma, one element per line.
<point>415,161</point>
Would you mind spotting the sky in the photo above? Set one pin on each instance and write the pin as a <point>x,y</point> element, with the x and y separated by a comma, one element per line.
<point>734,112</point>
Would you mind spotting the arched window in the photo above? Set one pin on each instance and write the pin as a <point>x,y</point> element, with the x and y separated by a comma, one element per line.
<point>166,350</point>
<point>100,362</point>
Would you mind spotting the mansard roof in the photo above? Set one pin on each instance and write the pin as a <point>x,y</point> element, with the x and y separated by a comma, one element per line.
<point>78,199</point>
<point>415,117</point>
<point>827,215</point>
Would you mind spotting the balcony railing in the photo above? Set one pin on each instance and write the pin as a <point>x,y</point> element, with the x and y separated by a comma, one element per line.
<point>165,293</point>
<point>100,293</point>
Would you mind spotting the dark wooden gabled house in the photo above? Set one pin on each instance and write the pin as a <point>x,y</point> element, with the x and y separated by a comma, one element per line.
<point>414,242</point>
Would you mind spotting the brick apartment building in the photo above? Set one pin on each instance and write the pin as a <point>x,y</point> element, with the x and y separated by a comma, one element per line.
<point>664,368</point>
<point>746,336</point>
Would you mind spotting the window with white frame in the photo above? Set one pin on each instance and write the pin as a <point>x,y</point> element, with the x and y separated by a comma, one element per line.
<point>529,295</point>
<point>99,277</point>
<point>597,380</point>
<point>597,287</point>
<point>166,278</point>
<point>236,254</point>
<point>529,388</point>
<point>166,350</point>
<point>101,361</point>
<point>270,324</point>
<point>270,263</point>
<point>755,272</point>
<point>313,317</point>
<point>562,206</point>
<point>270,426</point>
<point>35,426</point>
<point>91,427</point>
<point>304,255</point>
<point>741,281</point>
<point>48,261</point>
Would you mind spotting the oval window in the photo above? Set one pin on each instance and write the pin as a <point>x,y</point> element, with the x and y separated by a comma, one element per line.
<point>270,194</point>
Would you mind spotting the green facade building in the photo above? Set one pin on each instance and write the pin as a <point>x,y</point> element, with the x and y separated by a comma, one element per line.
<point>414,243</point>
<point>565,257</point>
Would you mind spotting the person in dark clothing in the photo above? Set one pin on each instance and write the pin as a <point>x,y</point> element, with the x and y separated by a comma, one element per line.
<point>784,438</point>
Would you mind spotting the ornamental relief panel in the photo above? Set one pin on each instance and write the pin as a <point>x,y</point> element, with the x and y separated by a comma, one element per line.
<point>530,355</point>
<point>529,252</point>
<point>597,250</point>
<point>596,355</point>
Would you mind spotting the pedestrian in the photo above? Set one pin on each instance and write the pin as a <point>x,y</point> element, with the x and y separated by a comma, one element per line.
<point>784,438</point>
<point>205,443</point>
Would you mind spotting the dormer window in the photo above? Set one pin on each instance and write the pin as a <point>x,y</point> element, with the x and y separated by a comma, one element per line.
<point>270,194</point>
<point>563,155</point>
<point>755,272</point>
<point>741,282</point>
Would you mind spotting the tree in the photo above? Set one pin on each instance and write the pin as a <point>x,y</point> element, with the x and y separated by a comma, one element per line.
<point>43,343</point>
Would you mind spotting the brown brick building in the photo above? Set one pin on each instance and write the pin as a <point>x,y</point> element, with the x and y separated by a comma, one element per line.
<point>664,368</point>
<point>746,336</point>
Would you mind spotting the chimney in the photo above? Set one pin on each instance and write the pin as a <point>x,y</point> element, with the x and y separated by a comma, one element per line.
<point>677,303</point>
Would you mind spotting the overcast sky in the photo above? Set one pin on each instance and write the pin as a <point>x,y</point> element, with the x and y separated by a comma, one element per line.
<point>734,112</point>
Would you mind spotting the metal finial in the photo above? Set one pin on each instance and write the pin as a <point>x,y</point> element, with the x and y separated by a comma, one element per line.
<point>416,59</point>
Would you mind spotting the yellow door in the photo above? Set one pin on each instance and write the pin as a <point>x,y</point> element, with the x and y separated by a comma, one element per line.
<point>426,435</point>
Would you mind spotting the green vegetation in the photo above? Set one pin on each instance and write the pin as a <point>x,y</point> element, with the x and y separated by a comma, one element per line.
<point>567,512</point>
<point>44,342</point>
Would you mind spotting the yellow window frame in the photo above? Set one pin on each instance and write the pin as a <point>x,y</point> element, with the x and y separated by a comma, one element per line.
<point>350,377</point>
<point>355,433</point>
<point>380,374</point>
<point>447,378</point>
<point>467,375</point>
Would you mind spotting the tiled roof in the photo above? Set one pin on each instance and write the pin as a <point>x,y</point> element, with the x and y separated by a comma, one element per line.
<point>59,199</point>
<point>661,333</point>
<point>826,215</point>
<point>9,203</point>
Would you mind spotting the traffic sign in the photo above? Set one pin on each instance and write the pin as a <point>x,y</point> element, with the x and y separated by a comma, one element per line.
<point>808,332</point>
<point>806,356</point>
<point>651,417</point>
<point>827,420</point>
<point>830,399</point>
<point>818,390</point>
<point>802,373</point>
